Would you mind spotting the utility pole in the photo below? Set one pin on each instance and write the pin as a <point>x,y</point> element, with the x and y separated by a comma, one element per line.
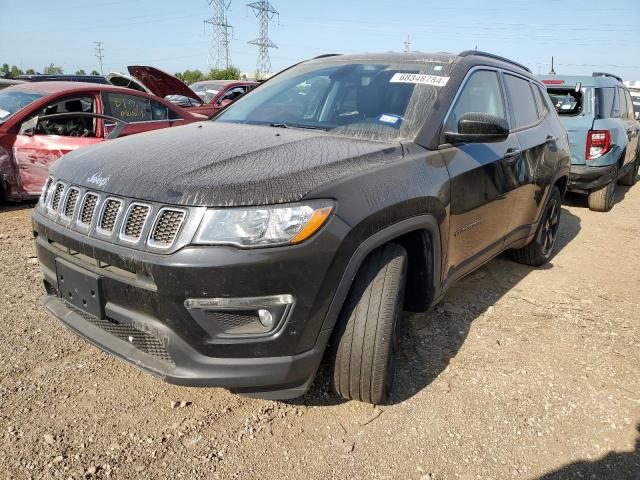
<point>219,56</point>
<point>552,72</point>
<point>99,54</point>
<point>407,44</point>
<point>265,12</point>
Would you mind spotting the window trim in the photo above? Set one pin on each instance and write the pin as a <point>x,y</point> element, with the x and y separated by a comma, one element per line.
<point>471,71</point>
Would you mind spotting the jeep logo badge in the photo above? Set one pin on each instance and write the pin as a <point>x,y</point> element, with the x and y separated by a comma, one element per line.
<point>98,179</point>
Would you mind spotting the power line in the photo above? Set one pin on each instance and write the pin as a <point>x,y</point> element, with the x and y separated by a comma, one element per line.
<point>265,12</point>
<point>219,50</point>
<point>99,54</point>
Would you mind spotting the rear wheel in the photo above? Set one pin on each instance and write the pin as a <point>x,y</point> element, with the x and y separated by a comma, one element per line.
<point>365,339</point>
<point>631,177</point>
<point>539,251</point>
<point>601,200</point>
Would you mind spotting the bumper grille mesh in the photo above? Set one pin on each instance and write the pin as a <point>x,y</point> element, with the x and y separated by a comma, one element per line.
<point>135,221</point>
<point>72,200</point>
<point>167,226</point>
<point>89,206</point>
<point>142,341</point>
<point>110,214</point>
<point>57,194</point>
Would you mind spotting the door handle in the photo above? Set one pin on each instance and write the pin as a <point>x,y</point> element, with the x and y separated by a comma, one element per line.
<point>550,139</point>
<point>512,155</point>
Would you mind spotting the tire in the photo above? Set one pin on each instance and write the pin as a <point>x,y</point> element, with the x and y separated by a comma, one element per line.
<point>629,180</point>
<point>602,199</point>
<point>365,339</point>
<point>539,250</point>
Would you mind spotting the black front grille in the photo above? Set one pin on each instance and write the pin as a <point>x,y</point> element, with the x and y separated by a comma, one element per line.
<point>72,200</point>
<point>167,227</point>
<point>135,221</point>
<point>110,214</point>
<point>142,341</point>
<point>57,194</point>
<point>89,206</point>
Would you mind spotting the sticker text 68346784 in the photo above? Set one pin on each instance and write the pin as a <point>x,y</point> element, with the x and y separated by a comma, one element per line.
<point>420,78</point>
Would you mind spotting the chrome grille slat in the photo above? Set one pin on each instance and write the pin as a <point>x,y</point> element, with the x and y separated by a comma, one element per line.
<point>72,200</point>
<point>88,208</point>
<point>110,211</point>
<point>166,228</point>
<point>57,195</point>
<point>134,224</point>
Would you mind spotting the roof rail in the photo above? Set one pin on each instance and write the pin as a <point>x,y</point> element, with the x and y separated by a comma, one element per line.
<point>325,55</point>
<point>604,74</point>
<point>467,53</point>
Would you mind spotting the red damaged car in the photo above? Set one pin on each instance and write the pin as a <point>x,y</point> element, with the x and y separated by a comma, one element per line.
<point>206,97</point>
<point>39,122</point>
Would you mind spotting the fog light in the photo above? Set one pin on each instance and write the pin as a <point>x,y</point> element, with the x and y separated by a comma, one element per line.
<point>240,317</point>
<point>266,319</point>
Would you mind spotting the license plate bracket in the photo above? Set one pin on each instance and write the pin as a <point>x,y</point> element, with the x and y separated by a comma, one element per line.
<point>80,287</point>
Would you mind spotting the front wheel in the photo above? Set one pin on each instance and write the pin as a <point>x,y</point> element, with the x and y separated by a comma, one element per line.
<point>539,251</point>
<point>365,339</point>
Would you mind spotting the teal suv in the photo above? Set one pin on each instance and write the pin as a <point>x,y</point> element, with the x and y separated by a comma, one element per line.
<point>598,113</point>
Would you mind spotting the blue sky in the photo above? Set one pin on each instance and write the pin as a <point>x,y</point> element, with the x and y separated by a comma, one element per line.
<point>584,35</point>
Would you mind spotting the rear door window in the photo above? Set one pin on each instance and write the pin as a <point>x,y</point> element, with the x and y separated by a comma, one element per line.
<point>135,109</point>
<point>481,94</point>
<point>605,102</point>
<point>630,114</point>
<point>540,95</point>
<point>523,105</point>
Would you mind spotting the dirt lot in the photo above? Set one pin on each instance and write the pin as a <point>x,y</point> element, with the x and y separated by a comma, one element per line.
<point>519,373</point>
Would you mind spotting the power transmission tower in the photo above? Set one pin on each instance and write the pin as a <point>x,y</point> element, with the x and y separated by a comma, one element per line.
<point>219,56</point>
<point>265,13</point>
<point>407,44</point>
<point>99,54</point>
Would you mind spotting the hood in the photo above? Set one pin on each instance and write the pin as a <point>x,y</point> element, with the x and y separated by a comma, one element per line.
<point>161,83</point>
<point>221,164</point>
<point>121,80</point>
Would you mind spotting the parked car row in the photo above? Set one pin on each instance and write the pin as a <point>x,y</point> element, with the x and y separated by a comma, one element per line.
<point>80,110</point>
<point>303,219</point>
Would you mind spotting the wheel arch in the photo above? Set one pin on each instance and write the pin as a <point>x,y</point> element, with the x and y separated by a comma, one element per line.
<point>420,236</point>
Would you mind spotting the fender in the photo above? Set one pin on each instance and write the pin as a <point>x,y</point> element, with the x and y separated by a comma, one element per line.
<point>387,234</point>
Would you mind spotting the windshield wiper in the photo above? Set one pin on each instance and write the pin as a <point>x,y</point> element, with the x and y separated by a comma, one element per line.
<point>292,125</point>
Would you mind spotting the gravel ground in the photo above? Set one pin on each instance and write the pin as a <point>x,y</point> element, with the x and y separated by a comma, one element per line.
<point>519,373</point>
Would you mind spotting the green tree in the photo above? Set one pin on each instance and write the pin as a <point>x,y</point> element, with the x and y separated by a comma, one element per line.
<point>231,73</point>
<point>95,72</point>
<point>52,70</point>
<point>80,72</point>
<point>190,76</point>
<point>15,71</point>
<point>5,68</point>
<point>30,71</point>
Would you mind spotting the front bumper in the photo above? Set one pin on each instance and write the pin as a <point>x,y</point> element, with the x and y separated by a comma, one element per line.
<point>584,178</point>
<point>147,325</point>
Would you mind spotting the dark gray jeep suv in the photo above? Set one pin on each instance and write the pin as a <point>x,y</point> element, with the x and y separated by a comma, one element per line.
<point>311,212</point>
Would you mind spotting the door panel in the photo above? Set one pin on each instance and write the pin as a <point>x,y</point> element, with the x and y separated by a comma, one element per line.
<point>34,155</point>
<point>482,197</point>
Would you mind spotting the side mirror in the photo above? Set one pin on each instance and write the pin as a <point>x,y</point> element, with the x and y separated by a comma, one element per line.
<point>29,127</point>
<point>475,127</point>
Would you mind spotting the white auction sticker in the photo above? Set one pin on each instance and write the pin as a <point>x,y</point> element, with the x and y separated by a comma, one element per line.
<point>420,78</point>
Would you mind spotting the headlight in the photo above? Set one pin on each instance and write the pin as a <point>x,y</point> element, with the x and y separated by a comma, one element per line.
<point>262,226</point>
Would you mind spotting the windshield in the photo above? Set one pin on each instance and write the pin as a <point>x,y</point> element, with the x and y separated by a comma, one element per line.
<point>380,101</point>
<point>206,91</point>
<point>12,100</point>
